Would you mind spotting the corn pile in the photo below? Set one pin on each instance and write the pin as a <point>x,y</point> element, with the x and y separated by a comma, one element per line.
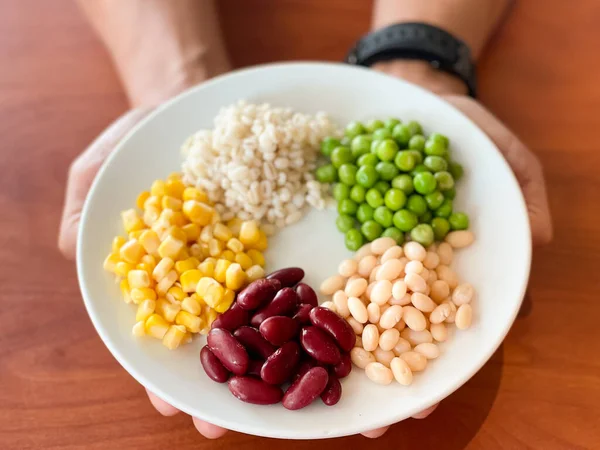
<point>180,264</point>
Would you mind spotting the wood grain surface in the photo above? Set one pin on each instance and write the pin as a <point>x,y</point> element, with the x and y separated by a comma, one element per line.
<point>61,388</point>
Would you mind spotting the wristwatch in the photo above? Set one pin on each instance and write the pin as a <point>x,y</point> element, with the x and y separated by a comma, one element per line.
<point>419,41</point>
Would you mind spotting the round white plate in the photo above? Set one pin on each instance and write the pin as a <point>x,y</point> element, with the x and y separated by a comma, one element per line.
<point>497,264</point>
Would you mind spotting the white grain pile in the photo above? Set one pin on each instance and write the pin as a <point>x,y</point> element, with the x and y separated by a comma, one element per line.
<point>258,162</point>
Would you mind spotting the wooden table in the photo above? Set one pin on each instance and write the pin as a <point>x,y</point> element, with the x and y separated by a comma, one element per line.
<point>61,388</point>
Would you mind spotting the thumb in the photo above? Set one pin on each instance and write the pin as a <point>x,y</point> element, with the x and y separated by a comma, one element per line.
<point>81,175</point>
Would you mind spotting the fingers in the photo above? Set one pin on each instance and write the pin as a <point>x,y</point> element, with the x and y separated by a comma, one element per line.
<point>378,432</point>
<point>161,406</point>
<point>525,165</point>
<point>82,172</point>
<point>208,430</point>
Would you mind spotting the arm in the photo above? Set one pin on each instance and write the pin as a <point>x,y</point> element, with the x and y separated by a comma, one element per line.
<point>160,47</point>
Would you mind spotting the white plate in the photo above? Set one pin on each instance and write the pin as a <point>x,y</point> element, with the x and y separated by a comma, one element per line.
<point>497,264</point>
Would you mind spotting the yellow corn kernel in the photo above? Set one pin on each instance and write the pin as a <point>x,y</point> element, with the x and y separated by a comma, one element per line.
<point>211,315</point>
<point>141,199</point>
<point>174,336</point>
<point>123,268</point>
<point>249,233</point>
<point>149,260</point>
<point>221,270</point>
<point>191,305</point>
<point>131,220</point>
<point>131,251</point>
<point>111,262</point>
<point>235,277</point>
<point>226,302</point>
<point>135,234</point>
<point>145,310</point>
<point>125,291</point>
<point>177,233</point>
<point>162,268</point>
<point>235,245</point>
<point>206,234</point>
<point>196,297</point>
<point>147,267</point>
<point>170,247</point>
<point>214,295</point>
<point>138,295</point>
<point>207,267</point>
<point>243,260</point>
<point>198,212</point>
<point>163,285</point>
<point>228,255</point>
<point>138,279</point>
<point>191,322</point>
<point>257,257</point>
<point>150,241</point>
<point>151,215</point>
<point>154,201</point>
<point>117,243</point>
<point>156,326</point>
<point>255,273</point>
<point>187,338</point>
<point>189,280</point>
<point>205,250</point>
<point>203,285</point>
<point>221,232</point>
<point>179,219</point>
<point>138,329</point>
<point>171,203</point>
<point>192,231</point>
<point>175,294</point>
<point>262,242</point>
<point>174,188</point>
<point>158,188</point>
<point>186,264</point>
<point>235,225</point>
<point>216,218</point>
<point>196,251</point>
<point>174,176</point>
<point>167,309</point>
<point>215,247</point>
<point>191,193</point>
<point>183,254</point>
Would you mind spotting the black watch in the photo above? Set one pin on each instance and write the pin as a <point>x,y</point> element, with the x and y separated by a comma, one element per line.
<point>417,41</point>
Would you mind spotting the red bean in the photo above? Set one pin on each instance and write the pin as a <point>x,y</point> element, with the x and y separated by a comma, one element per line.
<point>304,367</point>
<point>306,389</point>
<point>232,319</point>
<point>307,294</point>
<point>253,390</point>
<point>279,329</point>
<point>280,366</point>
<point>284,304</point>
<point>212,366</point>
<point>301,315</point>
<point>254,367</point>
<point>288,277</point>
<point>229,351</point>
<point>258,293</point>
<point>254,342</point>
<point>319,345</point>
<point>335,325</point>
<point>343,368</point>
<point>333,391</point>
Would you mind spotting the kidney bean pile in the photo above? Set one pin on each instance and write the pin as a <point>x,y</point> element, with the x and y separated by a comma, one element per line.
<point>275,333</point>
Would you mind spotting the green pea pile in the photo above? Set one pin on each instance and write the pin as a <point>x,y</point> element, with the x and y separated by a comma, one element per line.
<point>389,179</point>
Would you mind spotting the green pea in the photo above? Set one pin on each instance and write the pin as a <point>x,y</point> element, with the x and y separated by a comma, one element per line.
<point>354,240</point>
<point>424,182</point>
<point>367,176</point>
<point>341,191</point>
<point>416,203</point>
<point>441,138</point>
<point>347,174</point>
<point>405,220</point>
<point>405,161</point>
<point>403,182</point>
<point>344,222</point>
<point>328,144</point>
<point>373,125</point>
<point>435,163</point>
<point>395,234</point>
<point>444,210</point>
<point>347,206</point>
<point>395,199</point>
<point>434,147</point>
<point>374,144</point>
<point>368,160</point>
<point>391,123</point>
<point>418,156</point>
<point>402,134</point>
<point>444,180</point>
<point>417,142</point>
<point>419,168</point>
<point>450,193</point>
<point>341,155</point>
<point>459,221</point>
<point>426,217</point>
<point>441,227</point>
<point>414,127</point>
<point>354,128</point>
<point>360,145</point>
<point>357,193</point>
<point>382,133</point>
<point>387,150</point>
<point>371,230</point>
<point>346,141</point>
<point>364,213</point>
<point>386,170</point>
<point>383,216</point>
<point>326,174</point>
<point>434,200</point>
<point>456,170</point>
<point>423,234</point>
<point>382,186</point>
<point>374,198</point>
